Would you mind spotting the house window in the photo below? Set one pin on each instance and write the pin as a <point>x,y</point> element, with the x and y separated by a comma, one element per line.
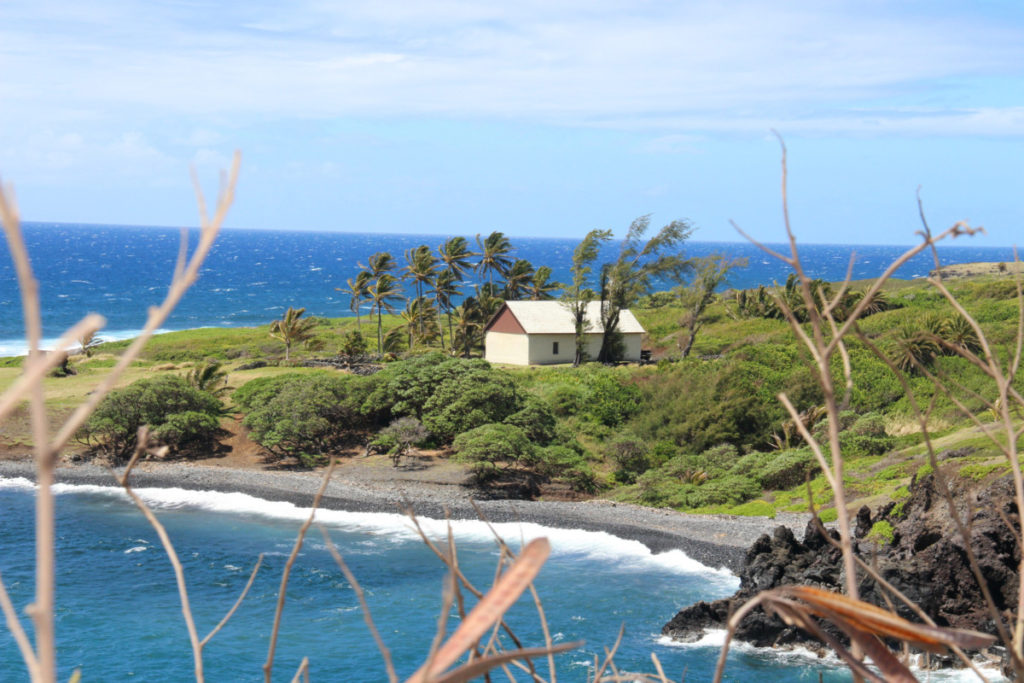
<point>554,348</point>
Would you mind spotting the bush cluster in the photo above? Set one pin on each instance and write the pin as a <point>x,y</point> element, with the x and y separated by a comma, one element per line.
<point>178,415</point>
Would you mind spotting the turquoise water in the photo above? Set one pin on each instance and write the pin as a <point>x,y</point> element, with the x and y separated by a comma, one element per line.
<point>252,276</point>
<point>119,616</point>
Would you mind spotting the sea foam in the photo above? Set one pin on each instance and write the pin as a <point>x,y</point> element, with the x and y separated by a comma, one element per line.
<point>597,546</point>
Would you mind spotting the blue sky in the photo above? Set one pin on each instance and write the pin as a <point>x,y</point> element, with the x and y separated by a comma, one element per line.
<point>532,117</point>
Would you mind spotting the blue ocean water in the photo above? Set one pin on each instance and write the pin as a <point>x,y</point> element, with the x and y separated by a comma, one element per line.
<point>251,276</point>
<point>119,616</point>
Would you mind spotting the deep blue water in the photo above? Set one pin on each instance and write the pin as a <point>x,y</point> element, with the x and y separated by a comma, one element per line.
<point>119,616</point>
<point>251,276</point>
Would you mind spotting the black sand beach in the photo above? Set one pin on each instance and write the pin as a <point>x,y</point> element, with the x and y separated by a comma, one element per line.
<point>714,540</point>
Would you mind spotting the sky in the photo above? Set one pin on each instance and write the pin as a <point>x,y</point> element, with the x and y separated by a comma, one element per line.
<point>533,117</point>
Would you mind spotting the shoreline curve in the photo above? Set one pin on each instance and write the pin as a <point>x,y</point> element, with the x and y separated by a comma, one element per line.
<point>713,540</point>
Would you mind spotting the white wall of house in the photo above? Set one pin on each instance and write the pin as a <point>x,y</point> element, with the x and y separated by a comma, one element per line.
<point>539,349</point>
<point>505,347</point>
<point>542,348</point>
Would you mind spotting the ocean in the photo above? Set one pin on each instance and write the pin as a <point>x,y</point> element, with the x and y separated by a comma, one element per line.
<point>252,276</point>
<point>118,615</point>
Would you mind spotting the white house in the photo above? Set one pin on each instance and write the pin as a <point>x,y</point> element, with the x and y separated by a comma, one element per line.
<point>542,332</point>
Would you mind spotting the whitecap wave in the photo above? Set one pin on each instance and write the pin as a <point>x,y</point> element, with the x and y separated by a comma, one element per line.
<point>392,527</point>
<point>19,347</point>
<point>802,656</point>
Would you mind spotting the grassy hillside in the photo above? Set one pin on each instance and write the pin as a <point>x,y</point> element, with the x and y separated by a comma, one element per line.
<point>705,433</point>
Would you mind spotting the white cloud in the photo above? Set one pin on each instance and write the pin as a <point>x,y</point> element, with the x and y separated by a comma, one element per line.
<point>700,66</point>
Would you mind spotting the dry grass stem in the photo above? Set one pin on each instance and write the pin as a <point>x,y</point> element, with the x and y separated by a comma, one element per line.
<point>37,368</point>
<point>490,609</point>
<point>172,555</point>
<point>238,602</point>
<point>385,653</point>
<point>18,632</point>
<point>268,666</point>
<point>302,674</point>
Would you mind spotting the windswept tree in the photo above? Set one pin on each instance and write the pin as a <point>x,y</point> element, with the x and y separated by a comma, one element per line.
<point>467,327</point>
<point>710,272</point>
<point>444,291</point>
<point>420,318</point>
<point>209,376</point>
<point>456,256</point>
<point>421,268</point>
<point>517,280</point>
<point>541,286</point>
<point>578,293</point>
<point>88,343</point>
<point>493,255</point>
<point>292,329</point>
<point>358,289</point>
<point>633,273</point>
<point>384,293</point>
<point>379,263</point>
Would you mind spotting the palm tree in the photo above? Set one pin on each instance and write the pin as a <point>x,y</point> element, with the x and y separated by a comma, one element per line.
<point>540,288</point>
<point>421,268</point>
<point>209,377</point>
<point>89,341</point>
<point>292,329</point>
<point>517,280</point>
<point>444,291</point>
<point>379,263</point>
<point>493,255</point>
<point>420,320</point>
<point>467,326</point>
<point>384,293</point>
<point>456,255</point>
<point>488,301</point>
<point>358,288</point>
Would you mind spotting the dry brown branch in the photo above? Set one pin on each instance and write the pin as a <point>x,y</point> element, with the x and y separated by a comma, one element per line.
<point>238,602</point>
<point>158,314</point>
<point>385,653</point>
<point>41,610</point>
<point>610,655</point>
<point>943,486</point>
<point>34,372</point>
<point>303,671</point>
<point>552,674</point>
<point>165,540</point>
<point>490,609</point>
<point>45,450</point>
<point>458,573</point>
<point>18,633</point>
<point>268,666</point>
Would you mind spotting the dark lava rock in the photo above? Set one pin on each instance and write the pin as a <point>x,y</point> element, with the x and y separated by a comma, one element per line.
<point>926,561</point>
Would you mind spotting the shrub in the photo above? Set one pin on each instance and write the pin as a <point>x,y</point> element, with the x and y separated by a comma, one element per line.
<point>630,457</point>
<point>566,400</point>
<point>180,416</point>
<point>490,448</point>
<point>309,415</point>
<point>468,401</point>
<point>787,469</point>
<point>609,401</point>
<point>534,418</point>
<point>403,434</point>
<point>353,344</point>
<point>881,533</point>
<point>257,392</point>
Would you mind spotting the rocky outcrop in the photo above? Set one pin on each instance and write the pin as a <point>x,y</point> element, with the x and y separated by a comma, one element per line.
<point>926,560</point>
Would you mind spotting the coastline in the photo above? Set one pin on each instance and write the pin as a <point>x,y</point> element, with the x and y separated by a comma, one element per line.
<point>713,540</point>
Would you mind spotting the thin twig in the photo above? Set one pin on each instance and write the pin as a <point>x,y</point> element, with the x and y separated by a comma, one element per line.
<point>141,445</point>
<point>385,653</point>
<point>268,666</point>
<point>238,602</point>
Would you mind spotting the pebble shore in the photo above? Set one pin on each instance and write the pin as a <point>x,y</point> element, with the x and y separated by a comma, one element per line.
<point>713,540</point>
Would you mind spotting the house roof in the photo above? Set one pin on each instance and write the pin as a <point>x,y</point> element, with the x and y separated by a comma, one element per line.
<point>552,317</point>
